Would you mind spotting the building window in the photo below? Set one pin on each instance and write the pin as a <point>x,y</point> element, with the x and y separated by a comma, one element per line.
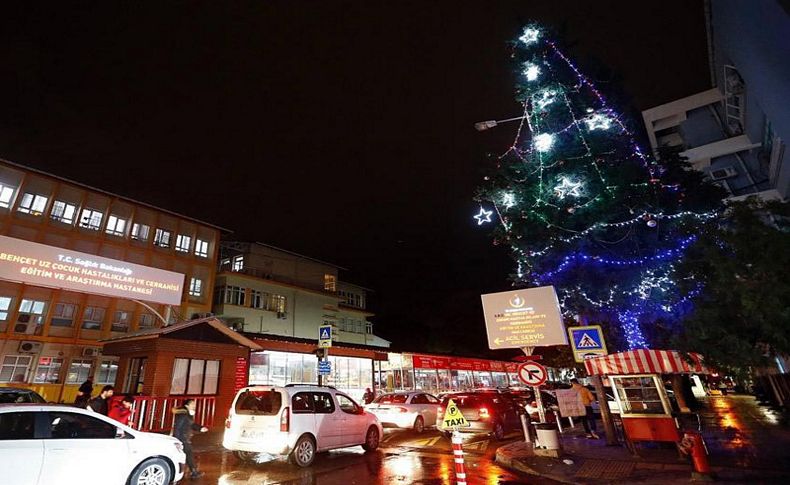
<point>194,376</point>
<point>5,304</point>
<point>48,370</point>
<point>183,243</point>
<point>201,248</point>
<point>368,328</point>
<point>162,238</point>
<point>146,321</point>
<point>79,370</point>
<point>116,226</point>
<point>238,263</point>
<point>234,295</point>
<point>120,321</point>
<point>330,282</point>
<point>93,318</point>
<point>140,232</point>
<point>91,219</point>
<point>31,315</point>
<point>32,204</point>
<point>63,315</point>
<point>195,287</point>
<point>257,299</point>
<point>108,370</point>
<point>6,194</point>
<point>63,212</point>
<point>15,368</point>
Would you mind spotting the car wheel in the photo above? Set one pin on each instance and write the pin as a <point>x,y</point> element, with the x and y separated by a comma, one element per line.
<point>499,431</point>
<point>371,439</point>
<point>154,471</point>
<point>304,452</point>
<point>246,456</point>
<point>419,424</point>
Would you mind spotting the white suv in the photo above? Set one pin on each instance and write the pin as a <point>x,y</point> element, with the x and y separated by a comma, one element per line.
<point>297,421</point>
<point>48,443</point>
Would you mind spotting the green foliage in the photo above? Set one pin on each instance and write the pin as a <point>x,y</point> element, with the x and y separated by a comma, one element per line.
<point>743,318</point>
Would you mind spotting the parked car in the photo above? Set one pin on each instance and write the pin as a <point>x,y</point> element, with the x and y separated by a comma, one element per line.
<point>405,410</point>
<point>51,443</point>
<point>486,411</point>
<point>297,421</point>
<point>9,395</point>
<point>525,400</point>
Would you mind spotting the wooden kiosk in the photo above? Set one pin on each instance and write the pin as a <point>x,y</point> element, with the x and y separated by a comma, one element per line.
<point>636,380</point>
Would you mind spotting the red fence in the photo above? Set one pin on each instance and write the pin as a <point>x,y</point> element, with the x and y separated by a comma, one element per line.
<point>156,413</point>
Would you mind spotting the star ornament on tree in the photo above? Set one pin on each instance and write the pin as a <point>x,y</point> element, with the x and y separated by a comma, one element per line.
<point>529,36</point>
<point>598,121</point>
<point>483,217</point>
<point>566,188</point>
<point>531,71</point>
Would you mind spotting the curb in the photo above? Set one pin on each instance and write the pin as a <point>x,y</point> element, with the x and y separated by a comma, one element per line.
<point>507,460</point>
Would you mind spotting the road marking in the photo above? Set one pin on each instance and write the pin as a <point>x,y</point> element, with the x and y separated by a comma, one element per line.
<point>428,442</point>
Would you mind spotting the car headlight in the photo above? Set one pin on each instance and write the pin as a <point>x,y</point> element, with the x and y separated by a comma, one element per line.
<point>179,446</point>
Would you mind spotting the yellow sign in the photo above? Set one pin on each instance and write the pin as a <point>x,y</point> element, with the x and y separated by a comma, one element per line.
<point>529,317</point>
<point>453,417</point>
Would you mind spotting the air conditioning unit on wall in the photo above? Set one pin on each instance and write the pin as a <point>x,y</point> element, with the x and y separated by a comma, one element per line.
<point>30,347</point>
<point>723,173</point>
<point>91,352</point>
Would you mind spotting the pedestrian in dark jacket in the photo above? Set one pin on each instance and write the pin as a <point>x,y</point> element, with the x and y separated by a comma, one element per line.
<point>121,411</point>
<point>184,427</point>
<point>84,393</point>
<point>100,403</point>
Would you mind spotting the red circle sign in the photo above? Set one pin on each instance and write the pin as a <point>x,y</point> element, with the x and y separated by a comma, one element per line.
<point>532,373</point>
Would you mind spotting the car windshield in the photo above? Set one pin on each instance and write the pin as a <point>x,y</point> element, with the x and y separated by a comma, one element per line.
<point>391,399</point>
<point>259,403</point>
<point>20,396</point>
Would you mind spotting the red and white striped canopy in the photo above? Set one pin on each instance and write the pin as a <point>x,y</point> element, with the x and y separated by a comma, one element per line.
<point>646,361</point>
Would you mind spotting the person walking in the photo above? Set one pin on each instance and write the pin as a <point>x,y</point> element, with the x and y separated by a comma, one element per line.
<point>101,403</point>
<point>368,397</point>
<point>84,393</point>
<point>184,427</point>
<point>121,411</point>
<point>587,397</point>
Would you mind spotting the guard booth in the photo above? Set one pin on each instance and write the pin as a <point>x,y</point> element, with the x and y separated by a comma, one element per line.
<point>201,359</point>
<point>636,380</point>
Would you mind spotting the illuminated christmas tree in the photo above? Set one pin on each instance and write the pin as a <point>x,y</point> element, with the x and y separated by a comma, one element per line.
<point>583,207</point>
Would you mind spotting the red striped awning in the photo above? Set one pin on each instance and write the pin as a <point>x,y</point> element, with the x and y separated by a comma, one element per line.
<point>646,361</point>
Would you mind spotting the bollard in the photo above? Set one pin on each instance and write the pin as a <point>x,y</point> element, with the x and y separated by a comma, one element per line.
<point>458,457</point>
<point>694,445</point>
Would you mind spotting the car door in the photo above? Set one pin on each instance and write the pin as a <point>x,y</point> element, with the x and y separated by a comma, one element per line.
<point>328,421</point>
<point>21,452</point>
<point>419,404</point>
<point>430,412</point>
<point>75,443</point>
<point>354,421</point>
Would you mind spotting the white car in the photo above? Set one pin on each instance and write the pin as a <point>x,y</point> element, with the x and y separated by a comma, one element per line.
<point>41,444</point>
<point>297,421</point>
<point>405,410</point>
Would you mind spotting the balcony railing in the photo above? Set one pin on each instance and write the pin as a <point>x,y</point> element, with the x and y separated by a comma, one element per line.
<point>266,274</point>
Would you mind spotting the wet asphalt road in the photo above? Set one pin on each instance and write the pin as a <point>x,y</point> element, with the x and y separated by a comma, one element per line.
<point>404,457</point>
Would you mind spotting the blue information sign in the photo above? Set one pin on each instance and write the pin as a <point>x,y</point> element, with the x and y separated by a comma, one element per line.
<point>587,342</point>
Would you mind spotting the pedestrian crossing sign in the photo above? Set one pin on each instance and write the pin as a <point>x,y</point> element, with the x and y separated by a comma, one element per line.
<point>453,418</point>
<point>587,342</point>
<point>325,336</point>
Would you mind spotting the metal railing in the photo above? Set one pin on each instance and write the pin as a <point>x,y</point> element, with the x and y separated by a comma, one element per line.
<point>155,414</point>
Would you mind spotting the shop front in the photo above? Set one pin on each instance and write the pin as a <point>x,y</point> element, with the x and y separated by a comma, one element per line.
<point>435,373</point>
<point>287,361</point>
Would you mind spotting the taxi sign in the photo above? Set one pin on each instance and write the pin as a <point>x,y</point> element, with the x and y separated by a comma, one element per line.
<point>453,417</point>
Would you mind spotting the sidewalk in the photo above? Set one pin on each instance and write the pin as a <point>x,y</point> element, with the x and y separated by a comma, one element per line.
<point>746,446</point>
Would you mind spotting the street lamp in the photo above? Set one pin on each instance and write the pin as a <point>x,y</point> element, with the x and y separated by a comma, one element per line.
<point>487,125</point>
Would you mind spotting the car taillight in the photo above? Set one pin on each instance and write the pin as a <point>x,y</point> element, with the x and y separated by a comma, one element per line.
<point>285,420</point>
<point>483,413</point>
<point>227,422</point>
<point>533,404</point>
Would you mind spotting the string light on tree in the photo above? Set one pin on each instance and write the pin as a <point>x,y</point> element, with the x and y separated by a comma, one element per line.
<point>545,98</point>
<point>483,217</point>
<point>508,200</point>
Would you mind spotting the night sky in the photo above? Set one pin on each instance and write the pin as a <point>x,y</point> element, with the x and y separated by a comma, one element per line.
<point>339,130</point>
